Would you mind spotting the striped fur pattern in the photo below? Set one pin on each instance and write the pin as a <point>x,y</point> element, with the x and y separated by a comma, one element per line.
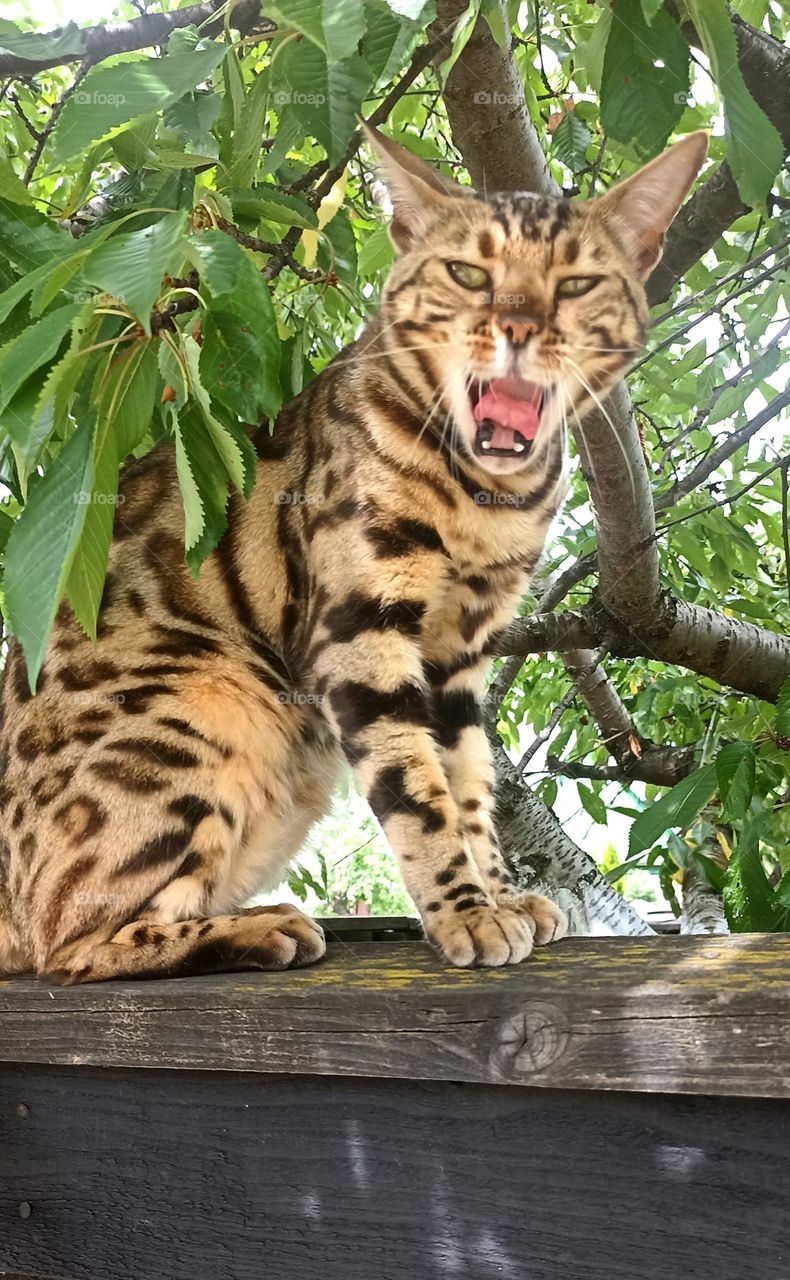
<point>162,776</point>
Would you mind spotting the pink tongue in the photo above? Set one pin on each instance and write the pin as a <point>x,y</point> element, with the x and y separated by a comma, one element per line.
<point>507,414</point>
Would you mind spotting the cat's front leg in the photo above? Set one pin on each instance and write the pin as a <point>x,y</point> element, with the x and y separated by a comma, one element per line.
<point>368,667</point>
<point>466,754</point>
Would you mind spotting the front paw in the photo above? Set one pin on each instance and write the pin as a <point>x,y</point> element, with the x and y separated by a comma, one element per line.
<point>486,934</point>
<point>548,923</point>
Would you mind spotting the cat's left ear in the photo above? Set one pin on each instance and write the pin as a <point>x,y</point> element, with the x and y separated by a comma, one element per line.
<point>645,204</point>
<point>418,192</point>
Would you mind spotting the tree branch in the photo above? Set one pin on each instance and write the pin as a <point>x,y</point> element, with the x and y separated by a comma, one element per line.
<point>735,653</point>
<point>105,41</point>
<point>699,474</point>
<point>488,112</point>
<point>765,66</point>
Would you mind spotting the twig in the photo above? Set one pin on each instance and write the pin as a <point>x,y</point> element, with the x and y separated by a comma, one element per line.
<point>699,474</point>
<point>559,710</point>
<point>269,247</point>
<point>54,114</point>
<point>786,522</point>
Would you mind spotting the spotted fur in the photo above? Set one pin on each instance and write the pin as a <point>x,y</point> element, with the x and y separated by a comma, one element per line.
<point>163,775</point>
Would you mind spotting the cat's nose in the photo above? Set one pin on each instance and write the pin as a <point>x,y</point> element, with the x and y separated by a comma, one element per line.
<point>517,329</point>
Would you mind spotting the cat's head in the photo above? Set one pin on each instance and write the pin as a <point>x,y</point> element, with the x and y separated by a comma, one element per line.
<point>514,313</point>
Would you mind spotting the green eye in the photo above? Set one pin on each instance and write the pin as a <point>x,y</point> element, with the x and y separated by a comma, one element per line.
<point>468,275</point>
<point>576,286</point>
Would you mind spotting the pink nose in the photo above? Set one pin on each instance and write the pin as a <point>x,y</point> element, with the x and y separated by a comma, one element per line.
<point>517,329</point>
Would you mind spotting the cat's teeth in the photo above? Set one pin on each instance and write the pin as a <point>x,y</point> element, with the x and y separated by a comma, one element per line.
<point>518,448</point>
<point>485,444</point>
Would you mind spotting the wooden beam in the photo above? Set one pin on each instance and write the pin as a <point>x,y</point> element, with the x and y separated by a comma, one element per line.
<point>667,1015</point>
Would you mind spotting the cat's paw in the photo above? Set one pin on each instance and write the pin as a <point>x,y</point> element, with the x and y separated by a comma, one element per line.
<point>548,922</point>
<point>486,935</point>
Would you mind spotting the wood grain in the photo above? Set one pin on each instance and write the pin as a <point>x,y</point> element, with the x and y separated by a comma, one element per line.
<point>670,1015</point>
<point>188,1176</point>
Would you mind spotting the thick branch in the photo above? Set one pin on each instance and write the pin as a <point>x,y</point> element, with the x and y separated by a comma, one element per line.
<point>637,758</point>
<point>102,42</point>
<point>765,66</point>
<point>735,653</point>
<point>488,112</point>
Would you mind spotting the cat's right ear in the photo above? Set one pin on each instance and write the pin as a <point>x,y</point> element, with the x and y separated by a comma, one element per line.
<point>418,193</point>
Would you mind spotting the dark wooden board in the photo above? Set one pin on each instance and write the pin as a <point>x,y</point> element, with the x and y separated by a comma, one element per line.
<point>188,1176</point>
<point>673,1015</point>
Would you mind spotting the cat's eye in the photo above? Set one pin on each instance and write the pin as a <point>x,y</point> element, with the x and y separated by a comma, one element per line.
<point>576,286</point>
<point>468,275</point>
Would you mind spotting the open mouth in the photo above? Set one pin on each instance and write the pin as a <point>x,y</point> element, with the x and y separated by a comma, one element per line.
<point>508,414</point>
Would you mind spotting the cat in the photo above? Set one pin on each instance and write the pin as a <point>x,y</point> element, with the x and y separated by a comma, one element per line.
<point>161,777</point>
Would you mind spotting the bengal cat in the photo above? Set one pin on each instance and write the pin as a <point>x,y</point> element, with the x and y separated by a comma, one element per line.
<point>162,776</point>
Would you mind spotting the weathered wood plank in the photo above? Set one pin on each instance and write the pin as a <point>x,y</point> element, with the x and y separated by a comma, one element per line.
<point>672,1015</point>
<point>184,1176</point>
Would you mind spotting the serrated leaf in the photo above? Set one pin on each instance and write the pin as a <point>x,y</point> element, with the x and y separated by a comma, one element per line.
<point>248,134</point>
<point>641,102</point>
<point>325,98</point>
<point>109,98</point>
<point>754,146</point>
<point>42,546</point>
<point>267,202</point>
<point>193,116</point>
<point>592,803</point>
<point>65,42</point>
<point>204,485</point>
<point>782,720</point>
<point>735,774</point>
<point>131,265</point>
<point>35,424</point>
<point>227,446</point>
<point>34,347</point>
<point>124,394</point>
<point>30,240</point>
<point>748,896</point>
<point>570,140</point>
<point>677,808</point>
<point>335,26</point>
<point>236,288</point>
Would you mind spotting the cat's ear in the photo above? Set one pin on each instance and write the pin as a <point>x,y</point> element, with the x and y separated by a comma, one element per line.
<point>417,191</point>
<point>645,204</point>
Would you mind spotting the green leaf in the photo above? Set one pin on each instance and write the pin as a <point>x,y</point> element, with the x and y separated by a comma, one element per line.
<point>111,97</point>
<point>204,485</point>
<point>29,239</point>
<point>194,116</point>
<point>650,8</point>
<point>641,103</point>
<point>735,774</point>
<point>65,42</point>
<point>131,265</point>
<point>237,290</point>
<point>677,808</point>
<point>42,547</point>
<point>267,202</point>
<point>11,184</point>
<point>748,895</point>
<point>592,803</point>
<point>754,147</point>
<point>324,98</point>
<point>335,26</point>
<point>248,134</point>
<point>569,142</point>
<point>33,347</point>
<point>782,721</point>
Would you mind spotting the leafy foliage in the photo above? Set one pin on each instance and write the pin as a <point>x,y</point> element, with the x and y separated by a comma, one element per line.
<point>198,237</point>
